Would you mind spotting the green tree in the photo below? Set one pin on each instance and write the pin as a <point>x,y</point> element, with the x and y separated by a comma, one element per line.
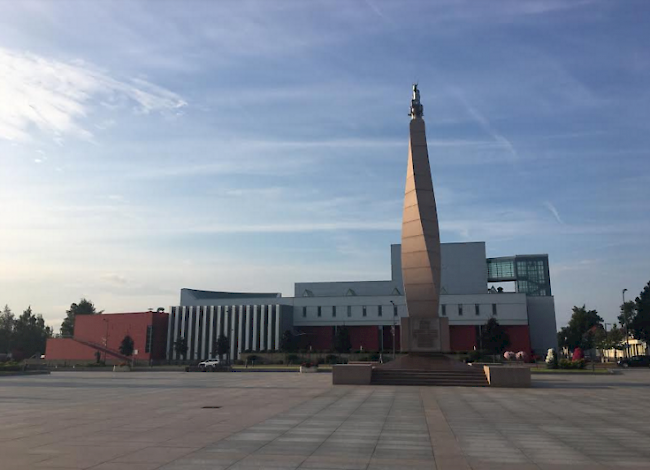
<point>127,346</point>
<point>30,334</point>
<point>222,346</point>
<point>7,324</point>
<point>180,346</point>
<point>628,312</point>
<point>84,307</point>
<point>612,339</point>
<point>640,323</point>
<point>288,342</point>
<point>494,337</point>
<point>342,342</point>
<point>578,333</point>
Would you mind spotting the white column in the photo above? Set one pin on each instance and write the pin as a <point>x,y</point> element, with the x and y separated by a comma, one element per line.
<point>170,320</point>
<point>190,338</point>
<point>240,333</point>
<point>247,330</point>
<point>198,311</point>
<point>211,334</point>
<point>269,327</point>
<point>262,327</point>
<point>219,321</point>
<point>277,327</point>
<point>256,341</point>
<point>182,334</point>
<point>232,323</point>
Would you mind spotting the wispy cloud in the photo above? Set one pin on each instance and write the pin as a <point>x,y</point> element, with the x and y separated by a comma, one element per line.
<point>486,125</point>
<point>554,211</point>
<point>55,97</point>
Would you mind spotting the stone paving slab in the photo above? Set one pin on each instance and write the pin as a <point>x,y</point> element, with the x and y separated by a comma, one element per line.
<point>278,421</point>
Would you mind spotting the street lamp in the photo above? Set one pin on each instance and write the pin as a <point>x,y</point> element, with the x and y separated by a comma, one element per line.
<point>393,327</point>
<point>627,334</point>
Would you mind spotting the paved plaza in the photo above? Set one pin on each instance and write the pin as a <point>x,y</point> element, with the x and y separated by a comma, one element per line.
<point>157,420</point>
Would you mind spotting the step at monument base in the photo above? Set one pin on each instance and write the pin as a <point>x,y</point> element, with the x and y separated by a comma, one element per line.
<point>451,378</point>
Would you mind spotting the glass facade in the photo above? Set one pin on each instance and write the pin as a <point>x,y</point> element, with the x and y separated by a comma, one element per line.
<point>529,272</point>
<point>501,269</point>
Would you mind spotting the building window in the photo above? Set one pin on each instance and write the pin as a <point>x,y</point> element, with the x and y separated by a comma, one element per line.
<point>334,311</point>
<point>304,312</point>
<point>319,311</point>
<point>444,310</point>
<point>494,309</point>
<point>477,310</point>
<point>365,311</point>
<point>349,310</point>
<point>460,310</point>
<point>379,311</point>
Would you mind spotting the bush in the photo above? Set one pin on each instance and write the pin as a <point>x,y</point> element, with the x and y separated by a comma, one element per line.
<point>293,358</point>
<point>567,364</point>
<point>331,359</point>
<point>254,358</point>
<point>238,362</point>
<point>474,356</point>
<point>10,367</point>
<point>280,362</point>
<point>320,360</point>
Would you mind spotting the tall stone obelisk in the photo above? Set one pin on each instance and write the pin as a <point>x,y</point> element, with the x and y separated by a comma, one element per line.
<point>423,330</point>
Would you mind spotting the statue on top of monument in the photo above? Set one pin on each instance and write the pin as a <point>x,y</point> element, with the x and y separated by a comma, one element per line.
<point>417,110</point>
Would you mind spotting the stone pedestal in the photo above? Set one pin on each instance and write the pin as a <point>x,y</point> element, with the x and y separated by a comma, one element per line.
<point>424,335</point>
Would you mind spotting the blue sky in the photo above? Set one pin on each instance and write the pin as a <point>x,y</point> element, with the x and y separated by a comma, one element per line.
<point>149,146</point>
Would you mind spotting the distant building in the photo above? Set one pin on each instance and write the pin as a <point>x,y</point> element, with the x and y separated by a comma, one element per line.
<point>104,334</point>
<point>371,309</point>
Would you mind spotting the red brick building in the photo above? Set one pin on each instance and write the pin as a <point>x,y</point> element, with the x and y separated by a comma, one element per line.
<point>104,334</point>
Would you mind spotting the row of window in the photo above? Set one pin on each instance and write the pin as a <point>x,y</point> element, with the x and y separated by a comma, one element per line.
<point>477,310</point>
<point>364,310</point>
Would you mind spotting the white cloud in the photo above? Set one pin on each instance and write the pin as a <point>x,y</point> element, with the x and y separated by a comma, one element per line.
<point>554,211</point>
<point>55,97</point>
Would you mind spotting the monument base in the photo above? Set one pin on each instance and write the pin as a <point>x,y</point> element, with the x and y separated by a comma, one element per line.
<point>424,335</point>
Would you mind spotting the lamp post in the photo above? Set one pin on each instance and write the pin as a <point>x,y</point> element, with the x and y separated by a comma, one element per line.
<point>393,327</point>
<point>627,333</point>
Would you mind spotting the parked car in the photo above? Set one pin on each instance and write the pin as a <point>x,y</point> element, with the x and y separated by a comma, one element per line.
<point>635,361</point>
<point>210,363</point>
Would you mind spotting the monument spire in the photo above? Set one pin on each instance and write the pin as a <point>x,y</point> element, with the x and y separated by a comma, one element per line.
<point>424,330</point>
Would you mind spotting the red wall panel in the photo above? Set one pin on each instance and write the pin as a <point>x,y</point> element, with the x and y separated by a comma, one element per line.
<point>462,338</point>
<point>320,338</point>
<point>366,336</point>
<point>69,349</point>
<point>519,338</point>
